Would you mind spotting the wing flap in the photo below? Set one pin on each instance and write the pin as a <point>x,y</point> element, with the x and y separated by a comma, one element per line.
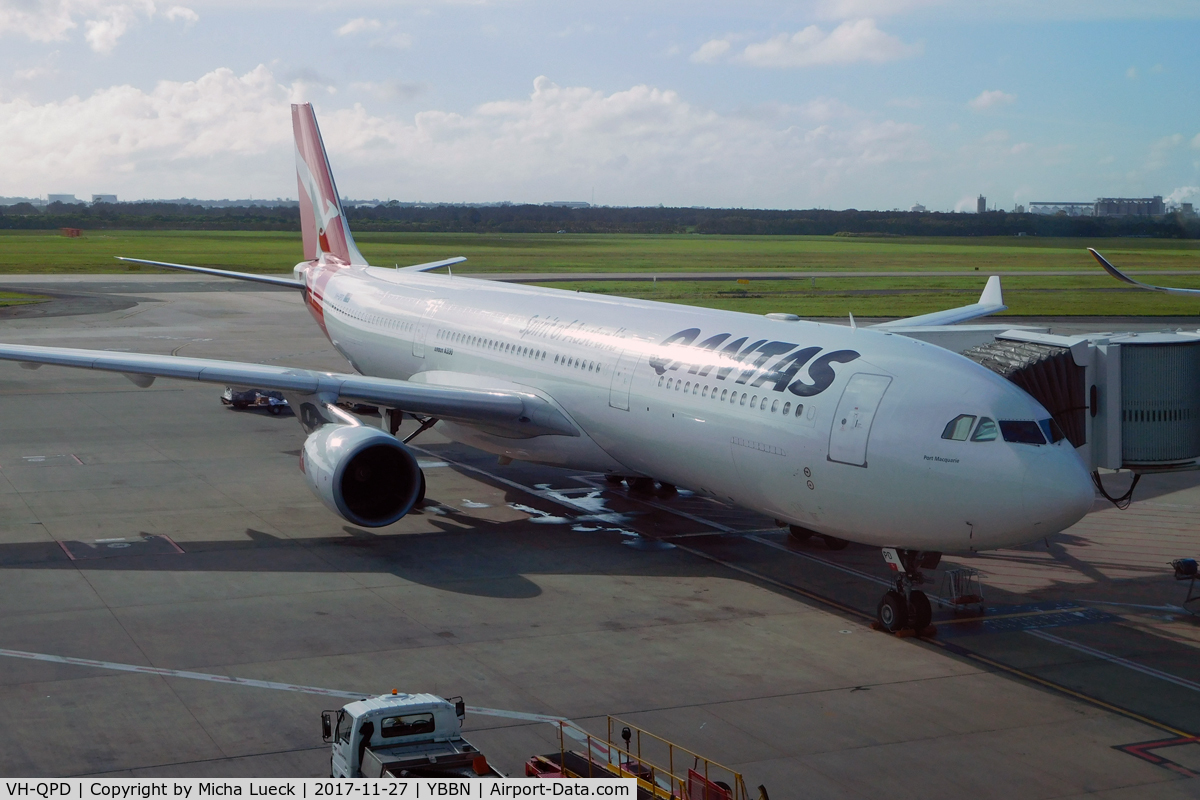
<point>991,301</point>
<point>523,413</point>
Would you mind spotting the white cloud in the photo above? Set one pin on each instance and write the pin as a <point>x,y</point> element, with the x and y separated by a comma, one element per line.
<point>391,90</point>
<point>1196,141</point>
<point>227,135</point>
<point>990,99</point>
<point>710,51</point>
<point>851,9</point>
<point>852,41</point>
<point>387,34</point>
<point>359,25</point>
<point>104,21</point>
<point>182,13</point>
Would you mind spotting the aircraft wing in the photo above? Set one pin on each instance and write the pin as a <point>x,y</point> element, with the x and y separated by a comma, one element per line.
<point>1121,276</point>
<point>523,413</point>
<point>990,302</point>
<point>224,273</point>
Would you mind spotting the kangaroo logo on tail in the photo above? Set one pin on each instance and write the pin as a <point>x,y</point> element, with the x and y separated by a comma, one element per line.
<point>326,234</point>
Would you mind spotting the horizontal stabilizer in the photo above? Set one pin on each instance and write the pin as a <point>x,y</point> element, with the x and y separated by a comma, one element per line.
<point>990,302</point>
<point>224,273</point>
<point>1121,276</point>
<point>524,413</point>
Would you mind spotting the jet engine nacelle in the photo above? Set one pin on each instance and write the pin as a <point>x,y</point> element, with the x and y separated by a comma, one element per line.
<point>361,474</point>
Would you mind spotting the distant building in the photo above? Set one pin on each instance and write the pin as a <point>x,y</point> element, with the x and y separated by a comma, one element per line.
<point>981,205</point>
<point>1187,209</point>
<point>1066,208</point>
<point>1020,209</point>
<point>104,198</point>
<point>62,198</point>
<point>568,204</point>
<point>1130,206</point>
<point>918,209</point>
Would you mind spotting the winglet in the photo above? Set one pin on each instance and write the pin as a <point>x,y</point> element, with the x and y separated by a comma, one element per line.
<point>992,295</point>
<point>1121,276</point>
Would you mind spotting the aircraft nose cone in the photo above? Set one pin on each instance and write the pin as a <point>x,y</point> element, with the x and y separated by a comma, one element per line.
<point>1057,493</point>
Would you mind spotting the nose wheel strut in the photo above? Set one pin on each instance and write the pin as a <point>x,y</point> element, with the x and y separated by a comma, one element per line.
<point>906,607</point>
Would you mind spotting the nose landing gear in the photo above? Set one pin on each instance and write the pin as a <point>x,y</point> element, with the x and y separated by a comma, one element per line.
<point>906,606</point>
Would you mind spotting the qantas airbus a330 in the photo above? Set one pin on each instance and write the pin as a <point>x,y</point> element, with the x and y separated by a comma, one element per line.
<point>852,434</point>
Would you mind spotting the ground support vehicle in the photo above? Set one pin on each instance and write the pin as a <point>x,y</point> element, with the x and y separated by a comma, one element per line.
<point>242,399</point>
<point>401,735</point>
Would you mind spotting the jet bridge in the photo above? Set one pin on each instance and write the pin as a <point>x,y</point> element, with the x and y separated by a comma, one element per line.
<point>1125,400</point>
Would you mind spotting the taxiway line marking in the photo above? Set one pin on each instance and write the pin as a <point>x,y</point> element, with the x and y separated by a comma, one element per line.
<point>1016,615</point>
<point>947,646</point>
<point>276,685</point>
<point>1123,662</point>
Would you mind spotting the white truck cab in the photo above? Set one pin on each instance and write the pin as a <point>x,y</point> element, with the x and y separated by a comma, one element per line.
<point>401,735</point>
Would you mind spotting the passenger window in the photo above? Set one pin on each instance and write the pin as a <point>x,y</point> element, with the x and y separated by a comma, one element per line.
<point>985,431</point>
<point>668,383</point>
<point>705,392</point>
<point>799,409</point>
<point>407,725</point>
<point>774,406</point>
<point>696,389</point>
<point>743,398</point>
<point>787,408</point>
<point>688,387</point>
<point>754,401</point>
<point>660,381</point>
<point>763,405</point>
<point>1021,431</point>
<point>723,393</point>
<point>958,428</point>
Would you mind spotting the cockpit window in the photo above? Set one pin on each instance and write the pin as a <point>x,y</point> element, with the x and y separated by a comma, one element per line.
<point>1053,432</point>
<point>1021,431</point>
<point>958,428</point>
<point>985,431</point>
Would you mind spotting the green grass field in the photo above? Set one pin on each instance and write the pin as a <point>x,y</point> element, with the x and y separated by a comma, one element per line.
<point>1093,294</point>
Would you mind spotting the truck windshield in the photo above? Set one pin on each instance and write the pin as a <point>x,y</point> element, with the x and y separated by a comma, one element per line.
<point>344,723</point>
<point>407,725</point>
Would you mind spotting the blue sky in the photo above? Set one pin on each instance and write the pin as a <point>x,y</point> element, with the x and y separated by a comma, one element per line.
<point>868,104</point>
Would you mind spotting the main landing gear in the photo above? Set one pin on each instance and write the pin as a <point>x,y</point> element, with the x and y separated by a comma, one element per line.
<point>906,606</point>
<point>798,534</point>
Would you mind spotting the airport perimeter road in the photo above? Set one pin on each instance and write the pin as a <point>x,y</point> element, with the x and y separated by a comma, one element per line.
<point>156,528</point>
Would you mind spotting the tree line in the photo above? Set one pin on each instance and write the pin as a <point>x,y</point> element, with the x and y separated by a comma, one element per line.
<point>395,217</point>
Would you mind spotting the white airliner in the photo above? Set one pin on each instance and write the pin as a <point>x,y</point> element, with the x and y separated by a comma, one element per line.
<point>851,434</point>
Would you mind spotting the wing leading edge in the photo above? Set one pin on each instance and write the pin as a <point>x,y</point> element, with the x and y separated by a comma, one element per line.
<point>991,301</point>
<point>1121,276</point>
<point>524,414</point>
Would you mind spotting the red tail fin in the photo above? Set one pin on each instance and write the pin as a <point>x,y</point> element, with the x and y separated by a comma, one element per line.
<point>326,232</point>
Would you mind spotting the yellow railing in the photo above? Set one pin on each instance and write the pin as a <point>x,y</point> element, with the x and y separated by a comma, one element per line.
<point>659,766</point>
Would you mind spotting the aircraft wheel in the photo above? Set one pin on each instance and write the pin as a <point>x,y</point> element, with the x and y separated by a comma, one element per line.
<point>834,543</point>
<point>275,410</point>
<point>420,492</point>
<point>642,485</point>
<point>891,613</point>
<point>922,612</point>
<point>798,534</point>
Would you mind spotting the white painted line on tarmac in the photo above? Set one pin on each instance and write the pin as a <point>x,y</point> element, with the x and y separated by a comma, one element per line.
<point>572,729</point>
<point>1110,658</point>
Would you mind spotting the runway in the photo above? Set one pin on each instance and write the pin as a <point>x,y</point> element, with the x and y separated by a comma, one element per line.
<point>158,529</point>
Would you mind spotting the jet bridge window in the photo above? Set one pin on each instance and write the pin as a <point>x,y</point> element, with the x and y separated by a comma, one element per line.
<point>1021,431</point>
<point>985,431</point>
<point>407,725</point>
<point>959,428</point>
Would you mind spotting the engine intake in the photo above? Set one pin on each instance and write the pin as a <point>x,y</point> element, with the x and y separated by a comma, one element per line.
<point>361,474</point>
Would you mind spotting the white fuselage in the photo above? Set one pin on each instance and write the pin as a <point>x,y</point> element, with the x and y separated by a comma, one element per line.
<point>708,399</point>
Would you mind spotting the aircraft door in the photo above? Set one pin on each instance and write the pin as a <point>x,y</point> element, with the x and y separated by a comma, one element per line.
<point>855,413</point>
<point>622,380</point>
<point>431,308</point>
